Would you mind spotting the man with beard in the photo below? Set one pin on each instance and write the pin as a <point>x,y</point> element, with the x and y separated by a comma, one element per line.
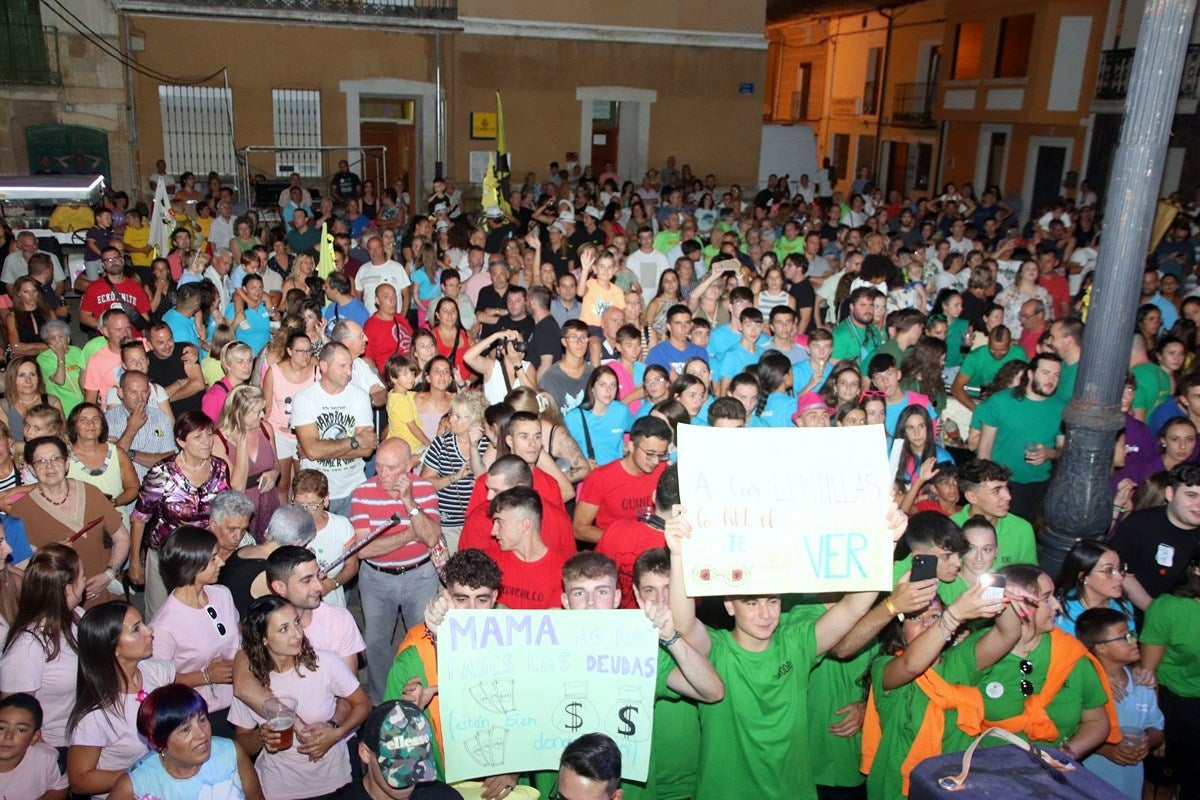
<point>856,336</point>
<point>1021,430</point>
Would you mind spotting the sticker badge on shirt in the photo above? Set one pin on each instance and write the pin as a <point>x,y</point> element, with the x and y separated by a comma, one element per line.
<point>995,690</point>
<point>1165,556</point>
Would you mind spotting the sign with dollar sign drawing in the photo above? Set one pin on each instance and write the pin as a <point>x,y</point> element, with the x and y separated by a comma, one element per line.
<point>517,687</point>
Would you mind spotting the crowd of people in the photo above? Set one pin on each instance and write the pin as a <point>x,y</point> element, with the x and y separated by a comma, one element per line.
<point>263,471</point>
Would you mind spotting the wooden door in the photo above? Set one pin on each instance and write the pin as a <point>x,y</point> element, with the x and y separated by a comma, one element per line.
<point>400,141</point>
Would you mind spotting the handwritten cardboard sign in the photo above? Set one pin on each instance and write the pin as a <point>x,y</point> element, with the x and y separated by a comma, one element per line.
<point>785,509</point>
<point>517,687</point>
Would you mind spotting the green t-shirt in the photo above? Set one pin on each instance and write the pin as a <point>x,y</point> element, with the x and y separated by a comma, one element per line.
<point>850,341</point>
<point>407,664</point>
<point>956,329</point>
<point>980,368</point>
<point>754,743</point>
<point>69,393</point>
<point>835,683</point>
<point>1153,386</point>
<point>784,247</point>
<point>1019,421</point>
<point>1015,542</point>
<point>902,710</point>
<point>94,346</point>
<point>1066,383</point>
<point>664,240</point>
<point>675,745</point>
<point>1173,622</point>
<point>1002,698</point>
<point>893,349</point>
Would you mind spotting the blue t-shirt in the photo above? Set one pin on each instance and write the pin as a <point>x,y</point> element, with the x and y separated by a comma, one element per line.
<point>777,413</point>
<point>666,356</point>
<point>255,329</point>
<point>725,337</point>
<point>218,777</point>
<point>802,373</point>
<point>894,409</point>
<point>427,288</point>
<point>1166,411</point>
<point>354,310</point>
<point>1139,710</point>
<point>607,433</point>
<point>183,329</point>
<point>735,360</point>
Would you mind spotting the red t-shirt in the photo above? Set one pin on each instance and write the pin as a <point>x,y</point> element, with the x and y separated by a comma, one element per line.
<point>929,505</point>
<point>543,484</point>
<point>371,507</point>
<point>623,541</point>
<point>99,298</point>
<point>558,532</point>
<point>1058,288</point>
<point>530,584</point>
<point>386,339</point>
<point>616,493</point>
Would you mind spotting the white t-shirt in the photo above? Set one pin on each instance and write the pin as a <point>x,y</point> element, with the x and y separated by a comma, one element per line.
<point>158,396</point>
<point>364,377</point>
<point>329,544</point>
<point>189,638</point>
<point>37,774</point>
<point>287,775</point>
<point>648,267</point>
<point>24,668</point>
<point>15,266</point>
<point>369,276</point>
<point>116,733</point>
<point>336,416</point>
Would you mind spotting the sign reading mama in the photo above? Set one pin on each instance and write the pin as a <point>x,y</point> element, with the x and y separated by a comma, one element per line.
<point>778,510</point>
<point>517,687</point>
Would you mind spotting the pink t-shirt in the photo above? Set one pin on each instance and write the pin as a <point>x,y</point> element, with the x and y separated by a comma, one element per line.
<point>101,371</point>
<point>24,668</point>
<point>189,639</point>
<point>116,733</point>
<point>333,628</point>
<point>37,774</point>
<point>287,775</point>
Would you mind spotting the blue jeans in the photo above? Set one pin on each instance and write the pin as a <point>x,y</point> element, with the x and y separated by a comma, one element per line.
<point>388,601</point>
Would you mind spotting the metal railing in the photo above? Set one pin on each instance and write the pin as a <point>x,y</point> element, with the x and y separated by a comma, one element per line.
<point>29,54</point>
<point>256,168</point>
<point>1117,65</point>
<point>410,9</point>
<point>912,103</point>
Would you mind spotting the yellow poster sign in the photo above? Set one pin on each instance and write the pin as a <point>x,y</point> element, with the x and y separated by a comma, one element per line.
<point>483,125</point>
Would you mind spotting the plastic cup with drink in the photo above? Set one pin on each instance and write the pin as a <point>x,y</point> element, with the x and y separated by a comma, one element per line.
<point>280,713</point>
<point>1132,739</point>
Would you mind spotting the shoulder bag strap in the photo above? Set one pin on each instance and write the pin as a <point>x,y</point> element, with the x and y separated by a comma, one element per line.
<point>587,435</point>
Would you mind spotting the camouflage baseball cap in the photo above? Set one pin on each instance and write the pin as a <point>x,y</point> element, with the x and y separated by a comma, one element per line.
<point>402,741</point>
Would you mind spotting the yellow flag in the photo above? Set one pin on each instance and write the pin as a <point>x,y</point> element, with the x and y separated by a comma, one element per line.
<point>490,184</point>
<point>1164,216</point>
<point>502,166</point>
<point>327,263</point>
<point>500,148</point>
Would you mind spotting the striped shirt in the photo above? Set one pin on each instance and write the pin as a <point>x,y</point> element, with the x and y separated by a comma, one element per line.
<point>444,458</point>
<point>371,507</point>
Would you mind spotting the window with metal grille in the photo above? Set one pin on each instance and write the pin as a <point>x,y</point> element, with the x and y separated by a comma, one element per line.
<point>297,115</point>
<point>197,123</point>
<point>968,49</point>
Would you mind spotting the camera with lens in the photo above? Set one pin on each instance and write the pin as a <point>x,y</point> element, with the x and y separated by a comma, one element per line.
<point>518,345</point>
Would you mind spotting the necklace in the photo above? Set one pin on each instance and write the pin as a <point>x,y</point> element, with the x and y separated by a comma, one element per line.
<point>66,496</point>
<point>183,458</point>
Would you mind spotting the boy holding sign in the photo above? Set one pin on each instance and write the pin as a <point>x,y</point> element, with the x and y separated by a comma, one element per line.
<point>762,724</point>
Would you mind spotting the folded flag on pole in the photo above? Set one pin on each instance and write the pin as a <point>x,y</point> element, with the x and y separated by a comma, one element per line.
<point>502,167</point>
<point>491,184</point>
<point>162,222</point>
<point>327,263</point>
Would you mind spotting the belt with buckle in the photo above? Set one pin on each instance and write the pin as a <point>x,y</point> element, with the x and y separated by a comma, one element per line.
<point>397,570</point>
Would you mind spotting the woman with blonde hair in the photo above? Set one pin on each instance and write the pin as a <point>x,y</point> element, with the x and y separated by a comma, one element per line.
<point>303,267</point>
<point>559,443</point>
<point>237,359</point>
<point>454,459</point>
<point>248,445</point>
<point>276,349</point>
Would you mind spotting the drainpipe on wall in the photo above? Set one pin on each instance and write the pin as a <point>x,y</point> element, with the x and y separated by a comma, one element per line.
<point>439,113</point>
<point>130,104</point>
<point>883,75</point>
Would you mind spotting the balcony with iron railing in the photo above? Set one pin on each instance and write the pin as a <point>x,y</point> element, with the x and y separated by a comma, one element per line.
<point>29,54</point>
<point>912,104</point>
<point>1116,67</point>
<point>317,11</point>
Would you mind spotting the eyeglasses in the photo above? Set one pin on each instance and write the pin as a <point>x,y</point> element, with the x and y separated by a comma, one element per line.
<point>651,455</point>
<point>652,381</point>
<point>43,462</point>
<point>220,626</point>
<point>302,352</point>
<point>1129,638</point>
<point>309,506</point>
<point>578,337</point>
<point>1111,571</point>
<point>1026,667</point>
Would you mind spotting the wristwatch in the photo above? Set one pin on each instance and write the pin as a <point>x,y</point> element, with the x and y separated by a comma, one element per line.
<point>353,442</point>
